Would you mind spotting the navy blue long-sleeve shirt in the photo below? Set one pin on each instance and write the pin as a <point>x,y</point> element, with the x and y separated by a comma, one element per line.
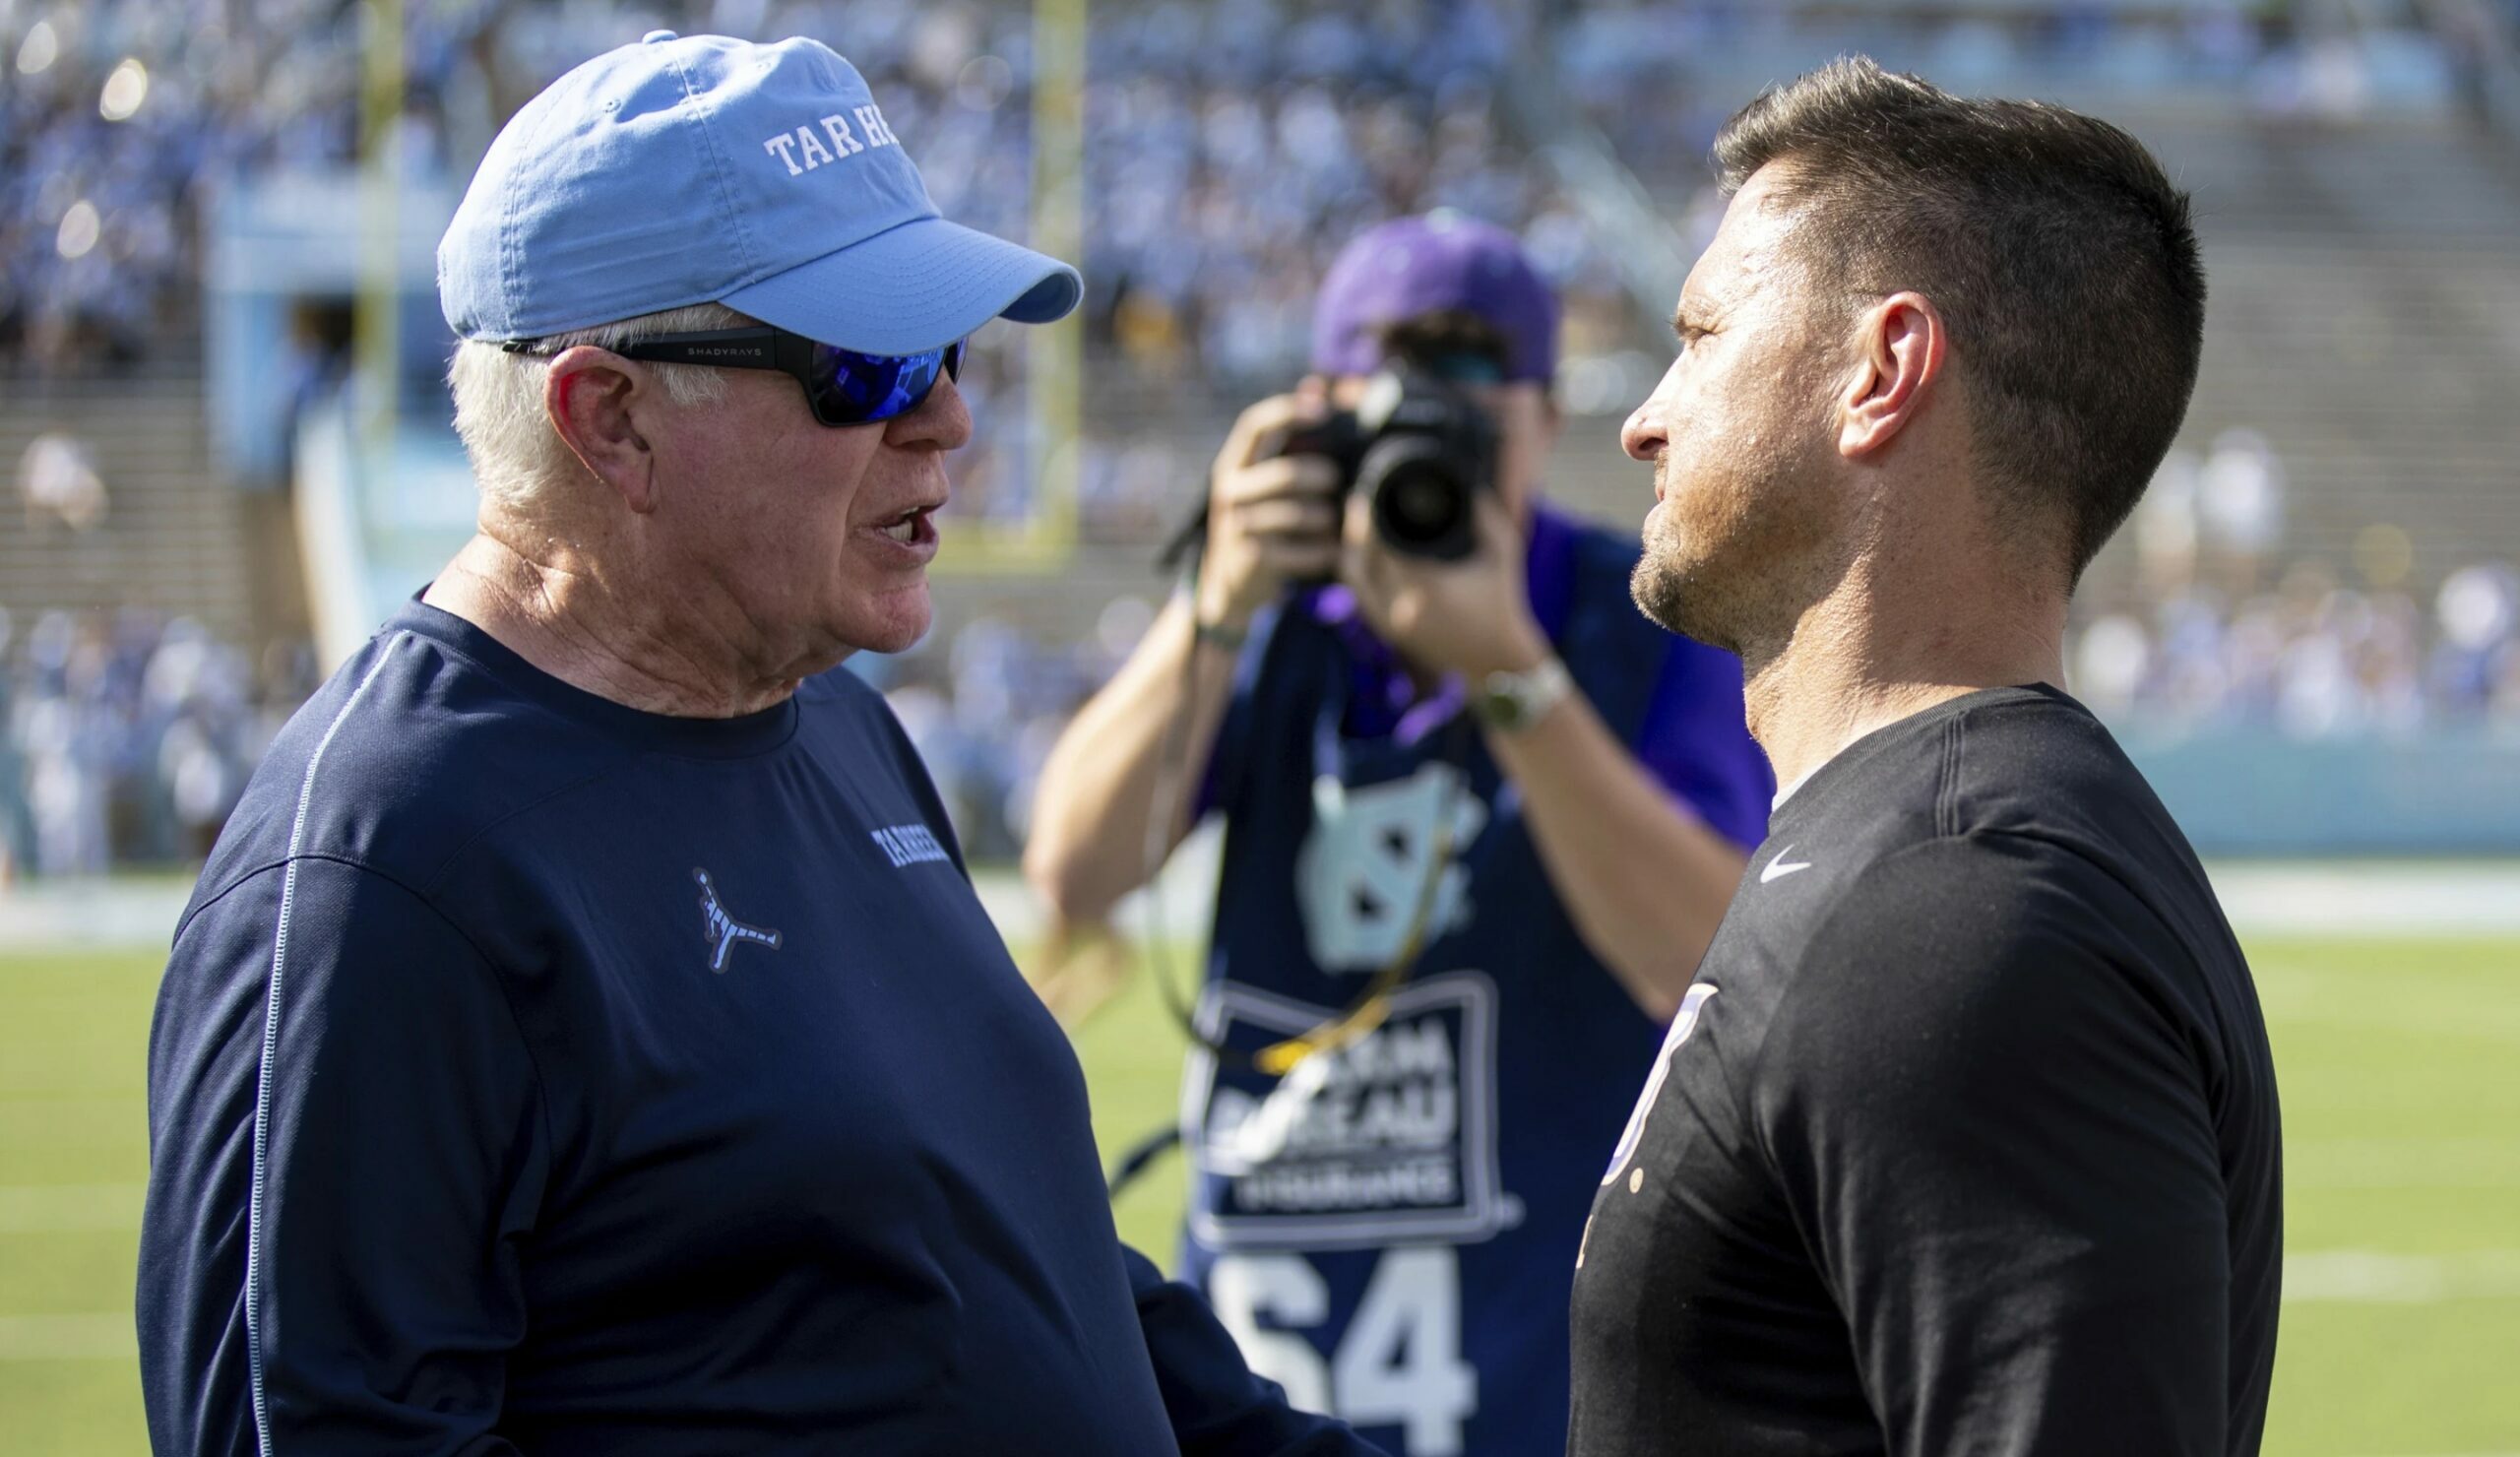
<point>536,1075</point>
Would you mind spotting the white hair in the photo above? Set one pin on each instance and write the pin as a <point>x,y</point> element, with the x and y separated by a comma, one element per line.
<point>498,397</point>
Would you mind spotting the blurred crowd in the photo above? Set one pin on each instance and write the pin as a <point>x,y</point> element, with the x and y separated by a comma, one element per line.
<point>1230,149</point>
<point>1624,64</point>
<point>2314,657</point>
<point>126,738</point>
<point>120,122</point>
<point>129,736</point>
<point>2317,652</point>
<point>2241,633</point>
<point>2237,634</point>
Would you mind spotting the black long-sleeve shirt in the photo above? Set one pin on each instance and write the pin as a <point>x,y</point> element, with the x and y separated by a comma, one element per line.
<point>1965,1138</point>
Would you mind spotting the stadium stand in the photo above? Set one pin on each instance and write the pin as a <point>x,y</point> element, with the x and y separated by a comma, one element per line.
<point>2318,561</point>
<point>166,536</point>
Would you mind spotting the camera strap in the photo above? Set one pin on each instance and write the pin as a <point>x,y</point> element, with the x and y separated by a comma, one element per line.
<point>1371,1004</point>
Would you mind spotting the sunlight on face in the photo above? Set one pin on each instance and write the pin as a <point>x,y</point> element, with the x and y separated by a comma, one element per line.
<point>797,523</point>
<point>1738,434</point>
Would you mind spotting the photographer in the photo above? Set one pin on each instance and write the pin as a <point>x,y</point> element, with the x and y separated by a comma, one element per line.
<point>1481,820</point>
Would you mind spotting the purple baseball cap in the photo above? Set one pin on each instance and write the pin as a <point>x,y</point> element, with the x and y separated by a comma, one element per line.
<point>1415,265</point>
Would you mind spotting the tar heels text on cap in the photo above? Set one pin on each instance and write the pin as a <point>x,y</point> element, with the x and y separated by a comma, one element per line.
<point>789,147</point>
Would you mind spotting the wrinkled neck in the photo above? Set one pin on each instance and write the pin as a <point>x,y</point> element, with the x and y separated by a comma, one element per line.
<point>654,648</point>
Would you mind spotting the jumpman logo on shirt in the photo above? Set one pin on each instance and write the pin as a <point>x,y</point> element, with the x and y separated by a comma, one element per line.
<point>724,930</point>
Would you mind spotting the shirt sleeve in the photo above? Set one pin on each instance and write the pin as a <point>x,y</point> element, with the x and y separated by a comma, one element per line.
<point>1217,1406</point>
<point>340,1103</point>
<point>1999,1148</point>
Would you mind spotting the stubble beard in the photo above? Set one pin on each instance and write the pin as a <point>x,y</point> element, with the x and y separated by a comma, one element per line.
<point>1730,557</point>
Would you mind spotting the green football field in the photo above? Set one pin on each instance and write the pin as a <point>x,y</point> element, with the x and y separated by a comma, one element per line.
<point>2401,1075</point>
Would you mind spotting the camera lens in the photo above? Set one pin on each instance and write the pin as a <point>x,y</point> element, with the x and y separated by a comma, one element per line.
<point>1420,502</point>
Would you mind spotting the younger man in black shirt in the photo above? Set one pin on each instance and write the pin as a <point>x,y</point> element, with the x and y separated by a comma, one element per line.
<point>1965,1139</point>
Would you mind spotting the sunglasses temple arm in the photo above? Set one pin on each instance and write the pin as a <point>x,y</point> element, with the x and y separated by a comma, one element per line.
<point>748,355</point>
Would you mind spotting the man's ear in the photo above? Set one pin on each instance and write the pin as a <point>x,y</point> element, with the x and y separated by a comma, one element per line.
<point>1900,345</point>
<point>589,393</point>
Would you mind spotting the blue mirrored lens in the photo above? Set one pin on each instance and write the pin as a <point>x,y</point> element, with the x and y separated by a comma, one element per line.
<point>854,389</point>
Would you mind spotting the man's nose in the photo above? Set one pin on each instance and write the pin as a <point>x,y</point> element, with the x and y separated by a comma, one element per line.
<point>942,420</point>
<point>1643,436</point>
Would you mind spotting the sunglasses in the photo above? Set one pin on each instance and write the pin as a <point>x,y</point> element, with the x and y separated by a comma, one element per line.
<point>843,386</point>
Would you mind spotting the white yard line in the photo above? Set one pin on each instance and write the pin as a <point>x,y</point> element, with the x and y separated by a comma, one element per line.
<point>2369,898</point>
<point>92,914</point>
<point>2269,898</point>
<point>2308,898</point>
<point>2375,1277</point>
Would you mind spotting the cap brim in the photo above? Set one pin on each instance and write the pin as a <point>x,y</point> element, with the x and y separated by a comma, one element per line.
<point>917,286</point>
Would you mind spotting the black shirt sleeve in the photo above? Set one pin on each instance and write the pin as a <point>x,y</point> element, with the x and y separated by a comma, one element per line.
<point>1218,1408</point>
<point>1997,1143</point>
<point>339,1096</point>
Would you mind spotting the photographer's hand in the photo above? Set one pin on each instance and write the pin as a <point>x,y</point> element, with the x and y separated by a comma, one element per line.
<point>1271,519</point>
<point>1644,879</point>
<point>1472,616</point>
<point>1139,749</point>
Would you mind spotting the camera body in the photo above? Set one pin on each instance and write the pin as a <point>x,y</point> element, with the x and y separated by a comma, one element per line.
<point>1419,450</point>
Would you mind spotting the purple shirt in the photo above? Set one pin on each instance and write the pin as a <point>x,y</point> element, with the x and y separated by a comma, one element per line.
<point>1693,741</point>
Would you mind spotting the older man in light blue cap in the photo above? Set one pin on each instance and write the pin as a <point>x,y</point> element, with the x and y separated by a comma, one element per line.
<point>584,1037</point>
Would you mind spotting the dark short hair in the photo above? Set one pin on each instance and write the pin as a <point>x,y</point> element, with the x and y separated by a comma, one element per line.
<point>2056,250</point>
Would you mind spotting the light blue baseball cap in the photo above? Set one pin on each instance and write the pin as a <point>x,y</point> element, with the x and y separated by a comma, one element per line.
<point>701,170</point>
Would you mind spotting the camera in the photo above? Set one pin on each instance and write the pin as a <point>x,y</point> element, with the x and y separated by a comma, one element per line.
<point>1420,450</point>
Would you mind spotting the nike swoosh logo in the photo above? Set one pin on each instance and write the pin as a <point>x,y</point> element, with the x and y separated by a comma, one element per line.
<point>1779,867</point>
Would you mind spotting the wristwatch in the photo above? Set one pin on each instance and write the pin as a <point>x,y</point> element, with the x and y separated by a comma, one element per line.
<point>1511,702</point>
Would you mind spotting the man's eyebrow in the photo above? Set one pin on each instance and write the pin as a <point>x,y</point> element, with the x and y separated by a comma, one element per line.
<point>1682,317</point>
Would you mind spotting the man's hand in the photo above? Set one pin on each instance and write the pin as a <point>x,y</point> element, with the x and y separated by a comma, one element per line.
<point>1472,617</point>
<point>1271,520</point>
